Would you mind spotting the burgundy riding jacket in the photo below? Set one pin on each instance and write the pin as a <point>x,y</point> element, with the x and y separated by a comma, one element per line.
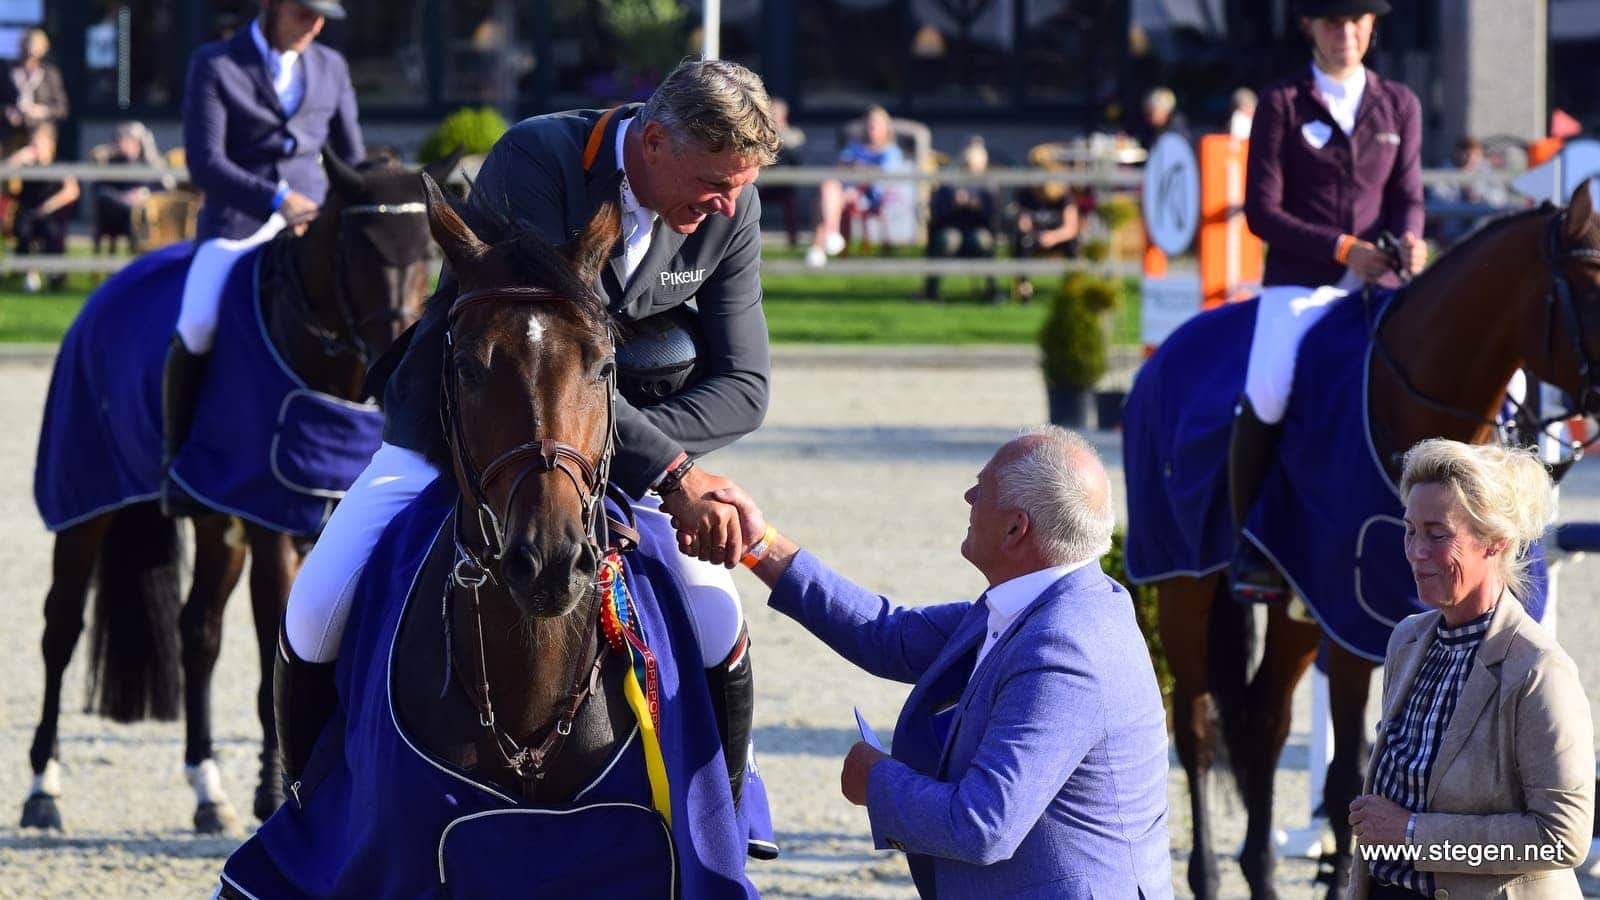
<point>1309,182</point>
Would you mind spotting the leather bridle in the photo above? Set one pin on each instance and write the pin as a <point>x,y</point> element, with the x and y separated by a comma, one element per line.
<point>530,761</point>
<point>349,341</point>
<point>540,455</point>
<point>1560,300</point>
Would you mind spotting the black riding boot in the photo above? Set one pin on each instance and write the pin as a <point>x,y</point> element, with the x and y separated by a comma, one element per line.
<point>1250,454</point>
<point>180,388</point>
<point>303,700</point>
<point>733,700</point>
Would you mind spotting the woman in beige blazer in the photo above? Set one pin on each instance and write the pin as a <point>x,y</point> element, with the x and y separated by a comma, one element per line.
<point>1482,778</point>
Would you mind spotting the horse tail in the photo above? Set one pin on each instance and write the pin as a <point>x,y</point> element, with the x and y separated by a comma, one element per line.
<point>134,669</point>
<point>1231,646</point>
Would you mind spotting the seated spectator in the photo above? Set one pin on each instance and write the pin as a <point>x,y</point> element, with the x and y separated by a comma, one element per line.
<point>1484,190</point>
<point>783,196</point>
<point>43,207</point>
<point>1160,116</point>
<point>961,219</point>
<point>1244,112</point>
<point>1047,224</point>
<point>114,201</point>
<point>879,151</point>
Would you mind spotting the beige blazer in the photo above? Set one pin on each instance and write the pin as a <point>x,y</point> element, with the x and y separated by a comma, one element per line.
<point>1516,764</point>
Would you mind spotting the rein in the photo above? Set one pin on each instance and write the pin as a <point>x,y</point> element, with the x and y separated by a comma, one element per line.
<point>1560,298</point>
<point>472,570</point>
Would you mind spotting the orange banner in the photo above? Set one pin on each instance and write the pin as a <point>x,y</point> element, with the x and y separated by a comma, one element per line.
<point>1230,256</point>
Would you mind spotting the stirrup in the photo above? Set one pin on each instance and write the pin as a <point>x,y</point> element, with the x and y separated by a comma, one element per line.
<point>1254,579</point>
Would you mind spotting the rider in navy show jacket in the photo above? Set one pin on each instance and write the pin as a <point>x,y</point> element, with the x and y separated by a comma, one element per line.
<point>243,147</point>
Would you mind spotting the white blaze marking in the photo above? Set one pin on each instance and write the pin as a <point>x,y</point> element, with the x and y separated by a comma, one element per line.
<point>535,330</point>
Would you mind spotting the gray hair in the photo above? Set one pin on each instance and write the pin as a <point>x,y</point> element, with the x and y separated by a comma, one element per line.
<point>1061,484</point>
<point>1505,492</point>
<point>718,106</point>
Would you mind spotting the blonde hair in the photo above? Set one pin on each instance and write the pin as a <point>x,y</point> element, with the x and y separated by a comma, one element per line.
<point>1505,492</point>
<point>37,34</point>
<point>1161,99</point>
<point>718,106</point>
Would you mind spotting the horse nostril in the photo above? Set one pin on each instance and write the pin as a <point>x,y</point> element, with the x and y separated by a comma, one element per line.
<point>520,565</point>
<point>588,562</point>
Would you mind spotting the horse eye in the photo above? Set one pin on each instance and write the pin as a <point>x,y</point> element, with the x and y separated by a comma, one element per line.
<point>470,373</point>
<point>607,368</point>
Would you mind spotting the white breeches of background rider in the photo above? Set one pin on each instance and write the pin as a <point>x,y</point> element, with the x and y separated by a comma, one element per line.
<point>1283,316</point>
<point>202,287</point>
<point>319,602</point>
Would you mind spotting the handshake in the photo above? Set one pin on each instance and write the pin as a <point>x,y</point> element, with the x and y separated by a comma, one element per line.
<point>716,520</point>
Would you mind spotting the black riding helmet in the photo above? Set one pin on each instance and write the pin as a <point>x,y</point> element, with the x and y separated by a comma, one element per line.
<point>1329,9</point>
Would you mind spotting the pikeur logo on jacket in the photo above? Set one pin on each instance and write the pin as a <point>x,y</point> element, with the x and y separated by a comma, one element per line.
<point>672,279</point>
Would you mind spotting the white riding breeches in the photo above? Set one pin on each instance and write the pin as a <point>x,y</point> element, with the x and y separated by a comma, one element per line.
<point>202,287</point>
<point>711,597</point>
<point>1283,316</point>
<point>319,602</point>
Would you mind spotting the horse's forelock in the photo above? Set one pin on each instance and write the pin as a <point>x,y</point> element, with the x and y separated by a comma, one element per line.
<point>536,263</point>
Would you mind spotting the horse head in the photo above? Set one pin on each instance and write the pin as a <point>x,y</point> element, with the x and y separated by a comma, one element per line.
<point>370,245</point>
<point>1572,251</point>
<point>528,382</point>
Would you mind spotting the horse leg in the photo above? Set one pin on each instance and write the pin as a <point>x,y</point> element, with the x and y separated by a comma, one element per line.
<point>1349,682</point>
<point>72,565</point>
<point>1289,650</point>
<point>1185,607</point>
<point>274,562</point>
<point>217,566</point>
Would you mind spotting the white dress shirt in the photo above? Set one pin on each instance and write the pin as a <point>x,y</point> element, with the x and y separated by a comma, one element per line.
<point>1342,97</point>
<point>1008,599</point>
<point>637,222</point>
<point>286,69</point>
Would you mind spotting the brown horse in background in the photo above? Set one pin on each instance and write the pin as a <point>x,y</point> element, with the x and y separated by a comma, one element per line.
<point>1523,292</point>
<point>346,289</point>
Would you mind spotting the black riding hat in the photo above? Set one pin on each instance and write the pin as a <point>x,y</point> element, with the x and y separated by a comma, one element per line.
<point>332,9</point>
<point>1317,9</point>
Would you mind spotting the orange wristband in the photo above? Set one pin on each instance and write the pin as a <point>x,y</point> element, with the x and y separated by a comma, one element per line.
<point>758,550</point>
<point>1341,250</point>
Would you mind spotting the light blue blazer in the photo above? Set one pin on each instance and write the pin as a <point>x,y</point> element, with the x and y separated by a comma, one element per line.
<point>1047,777</point>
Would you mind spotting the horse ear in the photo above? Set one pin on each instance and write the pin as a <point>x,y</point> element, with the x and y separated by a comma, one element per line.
<point>345,180</point>
<point>593,246</point>
<point>1580,210</point>
<point>440,170</point>
<point>460,244</point>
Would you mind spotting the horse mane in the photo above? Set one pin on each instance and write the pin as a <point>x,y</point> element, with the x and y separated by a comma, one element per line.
<point>1471,243</point>
<point>537,263</point>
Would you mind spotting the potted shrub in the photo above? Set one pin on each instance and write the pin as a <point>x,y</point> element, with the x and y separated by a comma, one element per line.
<point>1073,345</point>
<point>473,130</point>
<point>1146,610</point>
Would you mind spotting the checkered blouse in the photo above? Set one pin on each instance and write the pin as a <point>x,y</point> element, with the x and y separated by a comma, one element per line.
<point>1413,737</point>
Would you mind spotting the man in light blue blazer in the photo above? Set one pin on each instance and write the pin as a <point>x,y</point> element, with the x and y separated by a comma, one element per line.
<point>1030,759</point>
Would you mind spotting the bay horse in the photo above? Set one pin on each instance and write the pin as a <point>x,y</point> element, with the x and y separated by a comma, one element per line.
<point>1522,292</point>
<point>510,713</point>
<point>328,302</point>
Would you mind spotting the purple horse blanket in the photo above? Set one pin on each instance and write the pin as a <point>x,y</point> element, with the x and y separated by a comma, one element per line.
<point>264,446</point>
